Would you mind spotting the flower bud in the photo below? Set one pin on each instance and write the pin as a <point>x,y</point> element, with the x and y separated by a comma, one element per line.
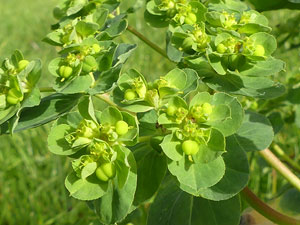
<point>121,127</point>
<point>89,64</point>
<point>65,71</point>
<point>106,171</point>
<point>14,96</point>
<point>22,64</point>
<point>190,147</point>
<point>130,95</point>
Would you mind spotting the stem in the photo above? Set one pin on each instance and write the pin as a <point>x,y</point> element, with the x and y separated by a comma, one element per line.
<point>47,89</point>
<point>147,41</point>
<point>106,99</point>
<point>281,168</point>
<point>266,210</point>
<point>286,158</point>
<point>144,138</point>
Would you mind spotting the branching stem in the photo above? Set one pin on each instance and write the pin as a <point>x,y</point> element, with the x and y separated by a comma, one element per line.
<point>281,168</point>
<point>47,89</point>
<point>286,158</point>
<point>266,210</point>
<point>147,41</point>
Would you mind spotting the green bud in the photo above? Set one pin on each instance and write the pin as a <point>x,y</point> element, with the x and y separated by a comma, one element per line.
<point>130,95</point>
<point>259,50</point>
<point>106,171</point>
<point>22,64</point>
<point>89,64</point>
<point>207,108</point>
<point>96,48</point>
<point>141,91</point>
<point>197,111</point>
<point>221,48</point>
<point>88,129</point>
<point>121,127</point>
<point>187,44</point>
<point>14,96</point>
<point>171,110</point>
<point>190,147</point>
<point>65,71</point>
<point>190,19</point>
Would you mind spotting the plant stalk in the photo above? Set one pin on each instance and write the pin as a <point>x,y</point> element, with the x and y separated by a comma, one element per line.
<point>147,41</point>
<point>281,168</point>
<point>47,89</point>
<point>106,99</point>
<point>266,210</point>
<point>286,158</point>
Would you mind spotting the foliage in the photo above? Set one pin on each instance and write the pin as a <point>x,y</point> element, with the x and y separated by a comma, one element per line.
<point>165,141</point>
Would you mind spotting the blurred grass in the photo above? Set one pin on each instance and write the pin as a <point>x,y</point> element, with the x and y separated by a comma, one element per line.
<point>31,178</point>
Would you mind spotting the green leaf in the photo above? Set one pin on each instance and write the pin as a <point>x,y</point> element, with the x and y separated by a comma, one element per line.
<point>172,147</point>
<point>235,178</point>
<point>57,142</point>
<point>50,108</point>
<point>267,67</point>
<point>176,78</point>
<point>171,206</point>
<point>151,169</point>
<point>111,116</point>
<point>255,134</point>
<point>258,87</point>
<point>289,201</point>
<point>88,170</point>
<point>78,84</point>
<point>175,207</point>
<point>197,175</point>
<point>106,80</point>
<point>216,212</point>
<point>116,203</point>
<point>86,108</point>
<point>85,189</point>
<point>86,28</point>
<point>266,40</point>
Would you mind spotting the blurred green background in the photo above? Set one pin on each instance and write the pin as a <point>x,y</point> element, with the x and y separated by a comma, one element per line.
<point>31,178</point>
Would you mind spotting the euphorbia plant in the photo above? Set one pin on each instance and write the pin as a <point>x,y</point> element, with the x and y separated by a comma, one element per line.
<point>179,142</point>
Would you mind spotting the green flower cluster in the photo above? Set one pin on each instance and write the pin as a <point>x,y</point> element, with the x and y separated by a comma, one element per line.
<point>97,141</point>
<point>136,94</point>
<point>18,78</point>
<point>84,34</point>
<point>222,37</point>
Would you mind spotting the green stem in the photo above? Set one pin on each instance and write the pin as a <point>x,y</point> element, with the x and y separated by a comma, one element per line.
<point>47,89</point>
<point>266,210</point>
<point>281,168</point>
<point>144,138</point>
<point>286,158</point>
<point>147,41</point>
<point>106,99</point>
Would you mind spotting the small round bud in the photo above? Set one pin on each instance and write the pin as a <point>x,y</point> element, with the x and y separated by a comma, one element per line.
<point>190,19</point>
<point>190,147</point>
<point>14,96</point>
<point>130,95</point>
<point>171,110</point>
<point>187,44</point>
<point>207,108</point>
<point>22,64</point>
<point>89,64</point>
<point>221,48</point>
<point>121,127</point>
<point>65,71</point>
<point>106,171</point>
<point>259,50</point>
<point>96,48</point>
